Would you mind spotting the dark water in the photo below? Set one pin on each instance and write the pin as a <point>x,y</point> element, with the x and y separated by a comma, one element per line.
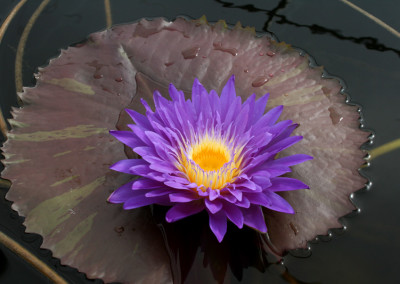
<point>345,42</point>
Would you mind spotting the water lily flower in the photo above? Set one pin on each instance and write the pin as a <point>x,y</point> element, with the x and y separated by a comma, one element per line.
<point>210,153</point>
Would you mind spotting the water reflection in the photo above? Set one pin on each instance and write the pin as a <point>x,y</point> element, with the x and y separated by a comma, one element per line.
<point>368,42</point>
<point>197,257</point>
<point>191,240</point>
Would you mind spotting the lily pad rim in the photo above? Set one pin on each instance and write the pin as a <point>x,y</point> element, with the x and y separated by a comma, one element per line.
<point>300,252</point>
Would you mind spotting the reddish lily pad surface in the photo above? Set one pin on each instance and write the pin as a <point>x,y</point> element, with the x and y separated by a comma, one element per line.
<point>59,151</point>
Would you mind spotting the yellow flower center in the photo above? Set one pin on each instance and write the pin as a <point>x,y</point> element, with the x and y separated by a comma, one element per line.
<point>210,156</point>
<point>210,162</point>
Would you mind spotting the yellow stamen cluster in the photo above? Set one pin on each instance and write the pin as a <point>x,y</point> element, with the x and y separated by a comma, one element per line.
<point>210,162</point>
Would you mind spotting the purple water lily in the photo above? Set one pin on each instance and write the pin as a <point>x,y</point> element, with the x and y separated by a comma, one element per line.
<point>209,153</point>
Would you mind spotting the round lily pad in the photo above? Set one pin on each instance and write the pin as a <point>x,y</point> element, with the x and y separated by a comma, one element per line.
<point>59,151</point>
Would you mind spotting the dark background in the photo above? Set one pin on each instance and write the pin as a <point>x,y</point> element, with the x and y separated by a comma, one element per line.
<point>347,43</point>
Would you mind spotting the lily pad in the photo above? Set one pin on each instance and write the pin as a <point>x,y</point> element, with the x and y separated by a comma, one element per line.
<point>59,151</point>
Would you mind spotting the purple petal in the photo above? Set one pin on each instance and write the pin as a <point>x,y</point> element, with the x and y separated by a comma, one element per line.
<point>183,119</point>
<point>159,192</point>
<point>213,194</point>
<point>141,200</point>
<point>254,218</point>
<point>139,133</point>
<point>269,118</point>
<point>283,144</point>
<point>144,183</point>
<point>280,127</point>
<point>166,153</point>
<point>183,197</point>
<point>277,170</point>
<point>244,203</point>
<point>122,193</point>
<point>215,102</point>
<point>259,107</point>
<point>159,101</point>
<point>175,184</point>
<point>202,193</point>
<point>127,137</point>
<point>140,170</point>
<point>234,214</point>
<point>144,151</point>
<point>260,139</point>
<point>259,198</point>
<point>286,184</point>
<point>293,160</point>
<point>213,206</point>
<point>241,120</point>
<point>182,210</point>
<point>247,184</point>
<point>262,178</point>
<point>124,166</point>
<point>198,91</point>
<point>163,167</point>
<point>152,159</point>
<point>233,110</point>
<point>206,108</point>
<point>145,172</point>
<point>140,119</point>
<point>250,102</point>
<point>254,164</point>
<point>229,198</point>
<point>146,106</point>
<point>180,180</point>
<point>175,94</point>
<point>237,193</point>
<point>278,203</point>
<point>228,95</point>
<point>156,138</point>
<point>218,224</point>
<point>284,133</point>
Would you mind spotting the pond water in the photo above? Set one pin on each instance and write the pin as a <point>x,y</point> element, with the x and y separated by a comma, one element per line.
<point>346,42</point>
